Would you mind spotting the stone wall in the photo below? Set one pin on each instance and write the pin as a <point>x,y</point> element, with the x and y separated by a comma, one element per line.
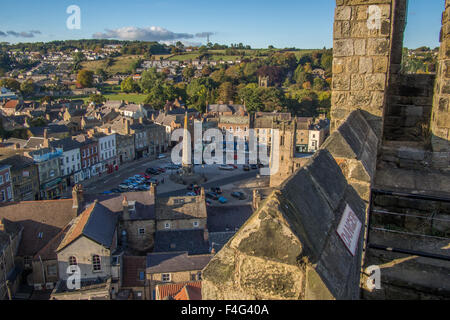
<point>408,112</point>
<point>365,44</point>
<point>440,119</point>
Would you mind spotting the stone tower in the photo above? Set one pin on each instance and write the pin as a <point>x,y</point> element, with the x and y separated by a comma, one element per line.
<point>287,130</point>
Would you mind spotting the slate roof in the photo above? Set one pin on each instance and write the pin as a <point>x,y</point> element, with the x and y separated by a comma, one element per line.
<point>48,217</point>
<point>97,223</point>
<point>191,241</point>
<point>48,252</point>
<point>217,240</point>
<point>176,262</point>
<point>17,161</point>
<point>227,218</point>
<point>145,203</point>
<point>180,208</point>
<point>66,144</point>
<point>34,143</point>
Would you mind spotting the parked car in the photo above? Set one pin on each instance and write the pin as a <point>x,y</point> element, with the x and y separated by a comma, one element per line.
<point>253,166</point>
<point>116,190</point>
<point>154,181</point>
<point>162,156</point>
<point>208,202</point>
<point>191,194</point>
<point>190,187</point>
<point>246,167</point>
<point>223,200</point>
<point>216,190</point>
<point>238,195</point>
<point>124,186</point>
<point>107,192</point>
<point>162,170</point>
<point>212,195</point>
<point>225,167</point>
<point>152,171</point>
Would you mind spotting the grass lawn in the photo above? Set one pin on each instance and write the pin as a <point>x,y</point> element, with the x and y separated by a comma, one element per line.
<point>130,97</point>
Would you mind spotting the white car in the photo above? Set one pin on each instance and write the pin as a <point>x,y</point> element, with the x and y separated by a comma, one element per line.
<point>225,167</point>
<point>162,156</point>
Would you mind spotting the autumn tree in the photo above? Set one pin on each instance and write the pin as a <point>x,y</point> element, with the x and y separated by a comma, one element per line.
<point>85,78</point>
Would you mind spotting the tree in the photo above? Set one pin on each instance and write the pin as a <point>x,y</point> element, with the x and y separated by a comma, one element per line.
<point>27,87</point>
<point>188,73</point>
<point>85,78</point>
<point>129,85</point>
<point>97,98</point>
<point>226,92</point>
<point>78,57</point>
<point>319,84</point>
<point>102,74</point>
<point>11,84</point>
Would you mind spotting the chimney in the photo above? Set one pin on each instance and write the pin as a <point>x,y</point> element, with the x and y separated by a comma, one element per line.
<point>77,198</point>
<point>126,212</point>
<point>206,235</point>
<point>213,251</point>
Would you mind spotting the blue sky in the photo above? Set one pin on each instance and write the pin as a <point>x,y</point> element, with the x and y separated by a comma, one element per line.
<point>259,23</point>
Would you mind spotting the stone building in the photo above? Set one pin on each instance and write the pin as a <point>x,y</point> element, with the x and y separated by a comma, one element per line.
<point>6,187</point>
<point>10,237</point>
<point>172,268</point>
<point>50,176</point>
<point>24,176</point>
<point>90,244</point>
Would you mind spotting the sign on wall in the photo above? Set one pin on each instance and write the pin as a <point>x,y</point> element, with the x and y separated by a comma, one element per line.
<point>349,229</point>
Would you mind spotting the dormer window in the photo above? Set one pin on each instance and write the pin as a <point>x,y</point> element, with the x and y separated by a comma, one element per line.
<point>40,235</point>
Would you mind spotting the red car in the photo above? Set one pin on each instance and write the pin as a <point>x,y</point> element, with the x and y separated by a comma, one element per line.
<point>162,170</point>
<point>146,176</point>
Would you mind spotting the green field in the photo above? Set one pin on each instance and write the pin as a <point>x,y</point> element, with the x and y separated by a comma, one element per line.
<point>121,64</point>
<point>130,97</point>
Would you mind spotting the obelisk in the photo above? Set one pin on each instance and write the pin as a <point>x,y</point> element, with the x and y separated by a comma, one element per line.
<point>186,160</point>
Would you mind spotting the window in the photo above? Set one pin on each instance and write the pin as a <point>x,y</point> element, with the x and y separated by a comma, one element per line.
<point>40,235</point>
<point>193,277</point>
<point>141,231</point>
<point>1,179</point>
<point>7,177</point>
<point>2,196</point>
<point>9,193</point>
<point>72,261</point>
<point>96,264</point>
<point>195,224</point>
<point>165,277</point>
<point>167,225</point>
<point>199,276</point>
<point>141,275</point>
<point>51,270</point>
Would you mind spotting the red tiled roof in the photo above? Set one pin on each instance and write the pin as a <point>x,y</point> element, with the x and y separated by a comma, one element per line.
<point>11,104</point>
<point>170,290</point>
<point>77,229</point>
<point>189,293</point>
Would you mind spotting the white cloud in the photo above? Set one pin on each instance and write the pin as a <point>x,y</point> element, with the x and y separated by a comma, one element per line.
<point>142,34</point>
